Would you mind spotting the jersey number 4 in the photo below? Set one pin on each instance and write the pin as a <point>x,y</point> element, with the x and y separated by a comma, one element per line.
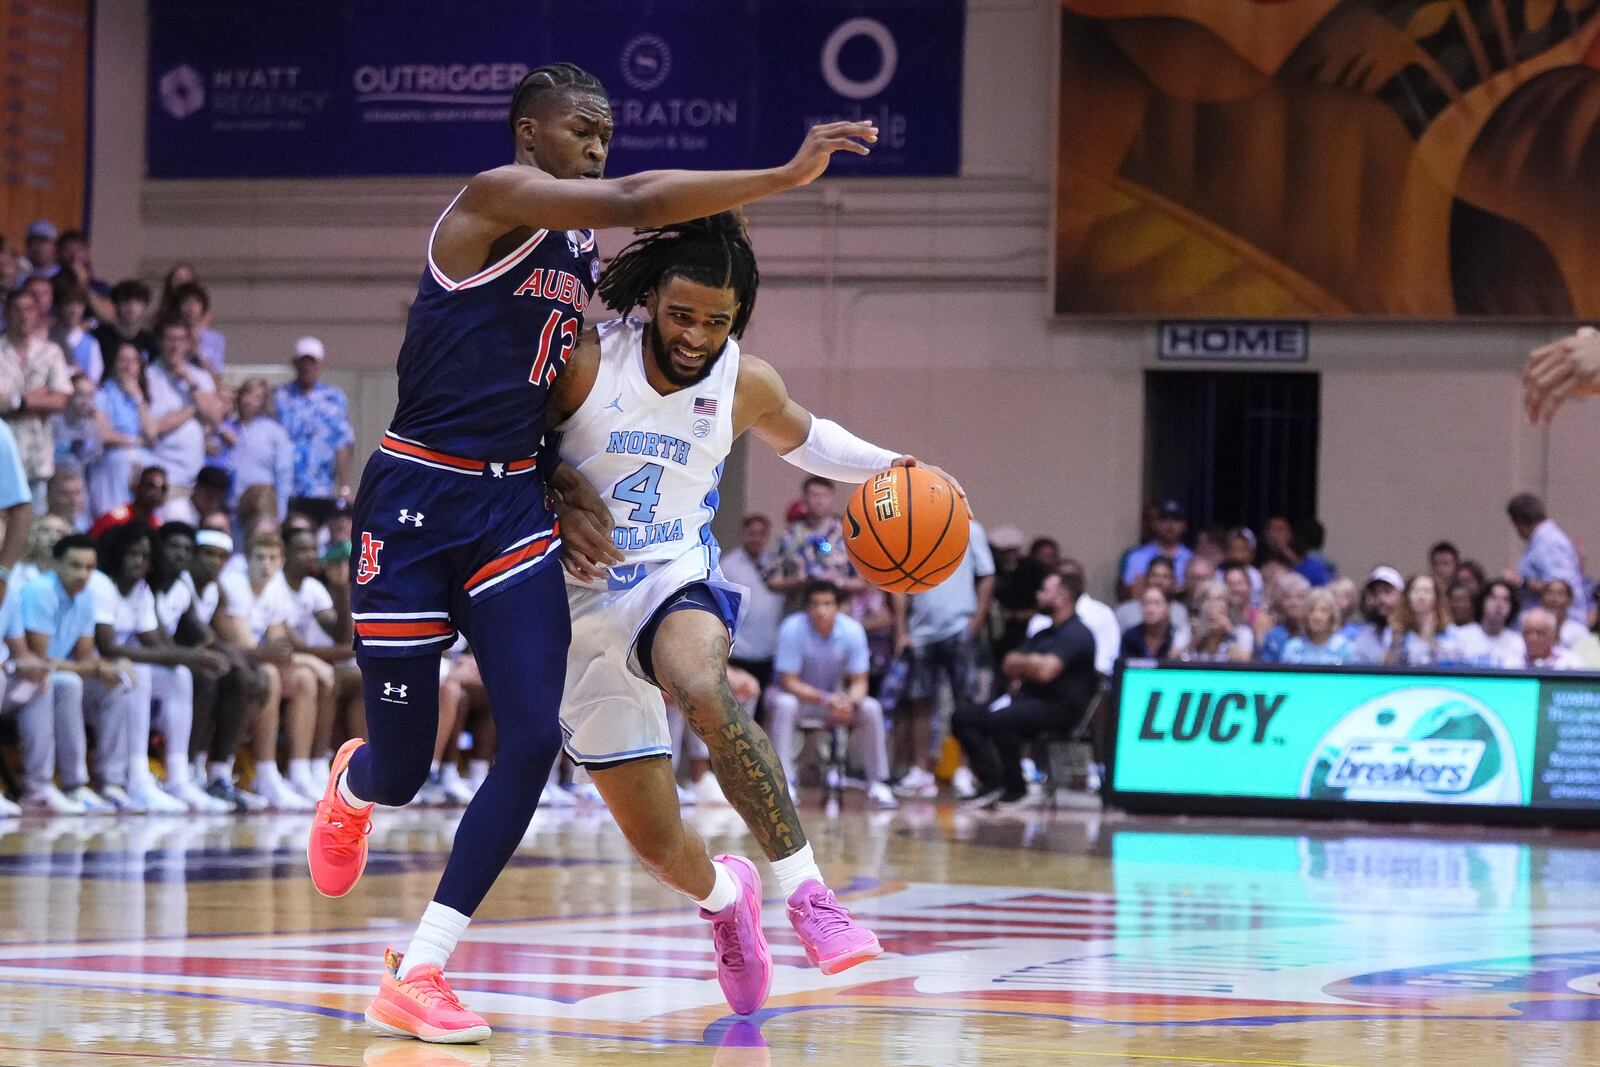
<point>640,490</point>
<point>556,341</point>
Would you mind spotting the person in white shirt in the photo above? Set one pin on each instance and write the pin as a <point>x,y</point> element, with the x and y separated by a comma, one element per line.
<point>1540,650</point>
<point>128,627</point>
<point>320,632</point>
<point>1100,618</point>
<point>257,608</point>
<point>1489,642</point>
<point>1556,598</point>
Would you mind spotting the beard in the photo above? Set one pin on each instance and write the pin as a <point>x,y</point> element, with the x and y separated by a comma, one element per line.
<point>670,370</point>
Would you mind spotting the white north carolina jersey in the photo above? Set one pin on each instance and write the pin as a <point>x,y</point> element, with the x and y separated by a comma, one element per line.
<point>655,459</point>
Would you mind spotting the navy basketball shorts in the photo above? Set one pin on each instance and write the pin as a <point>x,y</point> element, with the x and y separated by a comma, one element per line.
<point>434,534</point>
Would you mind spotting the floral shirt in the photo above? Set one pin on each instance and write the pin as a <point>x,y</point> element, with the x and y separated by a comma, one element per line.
<point>39,365</point>
<point>814,553</point>
<point>319,425</point>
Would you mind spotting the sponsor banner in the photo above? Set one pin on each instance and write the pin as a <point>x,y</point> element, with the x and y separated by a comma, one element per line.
<point>44,94</point>
<point>1346,736</point>
<point>359,87</point>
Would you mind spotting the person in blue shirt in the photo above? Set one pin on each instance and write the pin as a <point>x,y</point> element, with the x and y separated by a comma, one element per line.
<point>1170,524</point>
<point>56,613</point>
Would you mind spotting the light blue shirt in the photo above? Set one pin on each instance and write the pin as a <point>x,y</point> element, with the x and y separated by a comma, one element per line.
<point>47,609</point>
<point>1138,561</point>
<point>262,455</point>
<point>945,610</point>
<point>1549,556</point>
<point>1335,651</point>
<point>822,662</point>
<point>13,479</point>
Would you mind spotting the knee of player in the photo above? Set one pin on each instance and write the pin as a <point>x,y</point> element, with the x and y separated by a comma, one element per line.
<point>703,696</point>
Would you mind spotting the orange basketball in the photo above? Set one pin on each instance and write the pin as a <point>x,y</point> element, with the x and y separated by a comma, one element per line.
<point>906,530</point>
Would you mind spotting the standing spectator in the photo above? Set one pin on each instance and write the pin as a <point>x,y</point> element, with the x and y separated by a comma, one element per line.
<point>821,663</point>
<point>1289,605</point>
<point>72,251</point>
<point>67,499</point>
<point>76,428</point>
<point>1379,600</point>
<point>1310,536</point>
<point>748,565</point>
<point>1540,650</point>
<point>1053,679</point>
<point>57,616</point>
<point>939,628</point>
<point>1216,637</point>
<point>71,302</point>
<point>1444,559</point>
<point>33,386</point>
<point>126,427</point>
<point>1160,576</point>
<point>1557,599</point>
<point>193,305</point>
<point>1154,636</point>
<point>130,299</point>
<point>317,417</point>
<point>1169,527</point>
<point>1417,626</point>
<point>812,549</point>
<point>261,452</point>
<point>1320,643</point>
<point>1550,555</point>
<point>40,246</point>
<point>180,395</point>
<point>181,274</point>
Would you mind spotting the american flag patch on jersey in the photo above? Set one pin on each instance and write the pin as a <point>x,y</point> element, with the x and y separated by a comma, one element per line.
<point>705,405</point>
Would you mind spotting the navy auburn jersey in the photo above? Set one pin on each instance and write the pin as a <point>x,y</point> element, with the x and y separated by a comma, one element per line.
<point>481,353</point>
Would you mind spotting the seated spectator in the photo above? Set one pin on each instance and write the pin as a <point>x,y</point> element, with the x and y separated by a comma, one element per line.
<point>1052,680</point>
<point>1159,575</point>
<point>1240,549</point>
<point>81,348</point>
<point>56,612</point>
<point>193,305</point>
<point>40,243</point>
<point>1320,643</point>
<point>76,428</point>
<point>1289,609</point>
<point>1379,600</point>
<point>1347,600</point>
<point>126,427</point>
<point>1100,618</point>
<point>1277,537</point>
<point>261,452</point>
<point>1154,636</point>
<point>1243,606</point>
<point>66,498</point>
<point>1588,652</point>
<point>1540,649</point>
<point>43,711</point>
<point>181,274</point>
<point>322,635</point>
<point>1472,573</point>
<point>1557,599</point>
<point>1444,559</point>
<point>181,396</point>
<point>131,298</point>
<point>1147,532</point>
<point>1491,641</point>
<point>821,663</point>
<point>1169,528</point>
<point>149,494</point>
<point>1199,571</point>
<point>209,497</point>
<point>1310,536</point>
<point>39,555</point>
<point>1417,626</point>
<point>127,627</point>
<point>1461,606</point>
<point>1216,637</point>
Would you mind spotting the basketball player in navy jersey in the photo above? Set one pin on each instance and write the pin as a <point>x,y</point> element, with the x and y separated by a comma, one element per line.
<point>453,527</point>
<point>647,409</point>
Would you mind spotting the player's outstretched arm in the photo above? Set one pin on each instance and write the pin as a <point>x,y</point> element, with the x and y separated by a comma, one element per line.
<point>815,445</point>
<point>515,196</point>
<point>1558,370</point>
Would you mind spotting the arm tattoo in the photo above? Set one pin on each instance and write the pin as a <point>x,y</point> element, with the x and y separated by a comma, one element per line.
<point>745,763</point>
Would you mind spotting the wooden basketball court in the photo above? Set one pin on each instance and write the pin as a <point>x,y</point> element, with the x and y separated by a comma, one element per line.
<point>1067,938</point>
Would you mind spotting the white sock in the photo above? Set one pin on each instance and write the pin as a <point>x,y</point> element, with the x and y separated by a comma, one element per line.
<point>450,773</point>
<point>222,771</point>
<point>435,939</point>
<point>299,768</point>
<point>724,889</point>
<point>267,771</point>
<point>347,796</point>
<point>796,869</point>
<point>177,772</point>
<point>477,771</point>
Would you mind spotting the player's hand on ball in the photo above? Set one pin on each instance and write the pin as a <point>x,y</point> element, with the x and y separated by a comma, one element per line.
<point>912,461</point>
<point>823,141</point>
<point>1555,371</point>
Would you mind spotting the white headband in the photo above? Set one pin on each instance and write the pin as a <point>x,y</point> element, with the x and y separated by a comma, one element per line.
<point>214,539</point>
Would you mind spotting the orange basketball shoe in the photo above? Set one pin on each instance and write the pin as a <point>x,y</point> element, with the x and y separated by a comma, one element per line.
<point>422,1006</point>
<point>337,849</point>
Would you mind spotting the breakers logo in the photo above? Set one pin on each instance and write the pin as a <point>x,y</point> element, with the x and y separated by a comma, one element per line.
<point>1420,743</point>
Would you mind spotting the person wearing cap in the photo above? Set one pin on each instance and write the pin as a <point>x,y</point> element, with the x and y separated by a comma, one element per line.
<point>41,249</point>
<point>72,252</point>
<point>1379,601</point>
<point>209,497</point>
<point>1169,527</point>
<point>317,417</point>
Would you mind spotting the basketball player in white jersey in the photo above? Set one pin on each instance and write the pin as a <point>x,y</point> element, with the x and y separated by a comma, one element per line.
<point>648,408</point>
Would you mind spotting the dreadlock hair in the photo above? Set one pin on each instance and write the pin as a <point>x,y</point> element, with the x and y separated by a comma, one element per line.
<point>550,78</point>
<point>712,251</point>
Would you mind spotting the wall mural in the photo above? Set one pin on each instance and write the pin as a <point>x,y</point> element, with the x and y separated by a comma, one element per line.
<point>1426,158</point>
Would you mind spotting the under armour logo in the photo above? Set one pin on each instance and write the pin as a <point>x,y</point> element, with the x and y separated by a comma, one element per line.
<point>394,694</point>
<point>616,402</point>
<point>497,469</point>
<point>414,518</point>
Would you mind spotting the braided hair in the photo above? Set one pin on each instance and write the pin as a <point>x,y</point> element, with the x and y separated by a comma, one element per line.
<point>551,78</point>
<point>712,251</point>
